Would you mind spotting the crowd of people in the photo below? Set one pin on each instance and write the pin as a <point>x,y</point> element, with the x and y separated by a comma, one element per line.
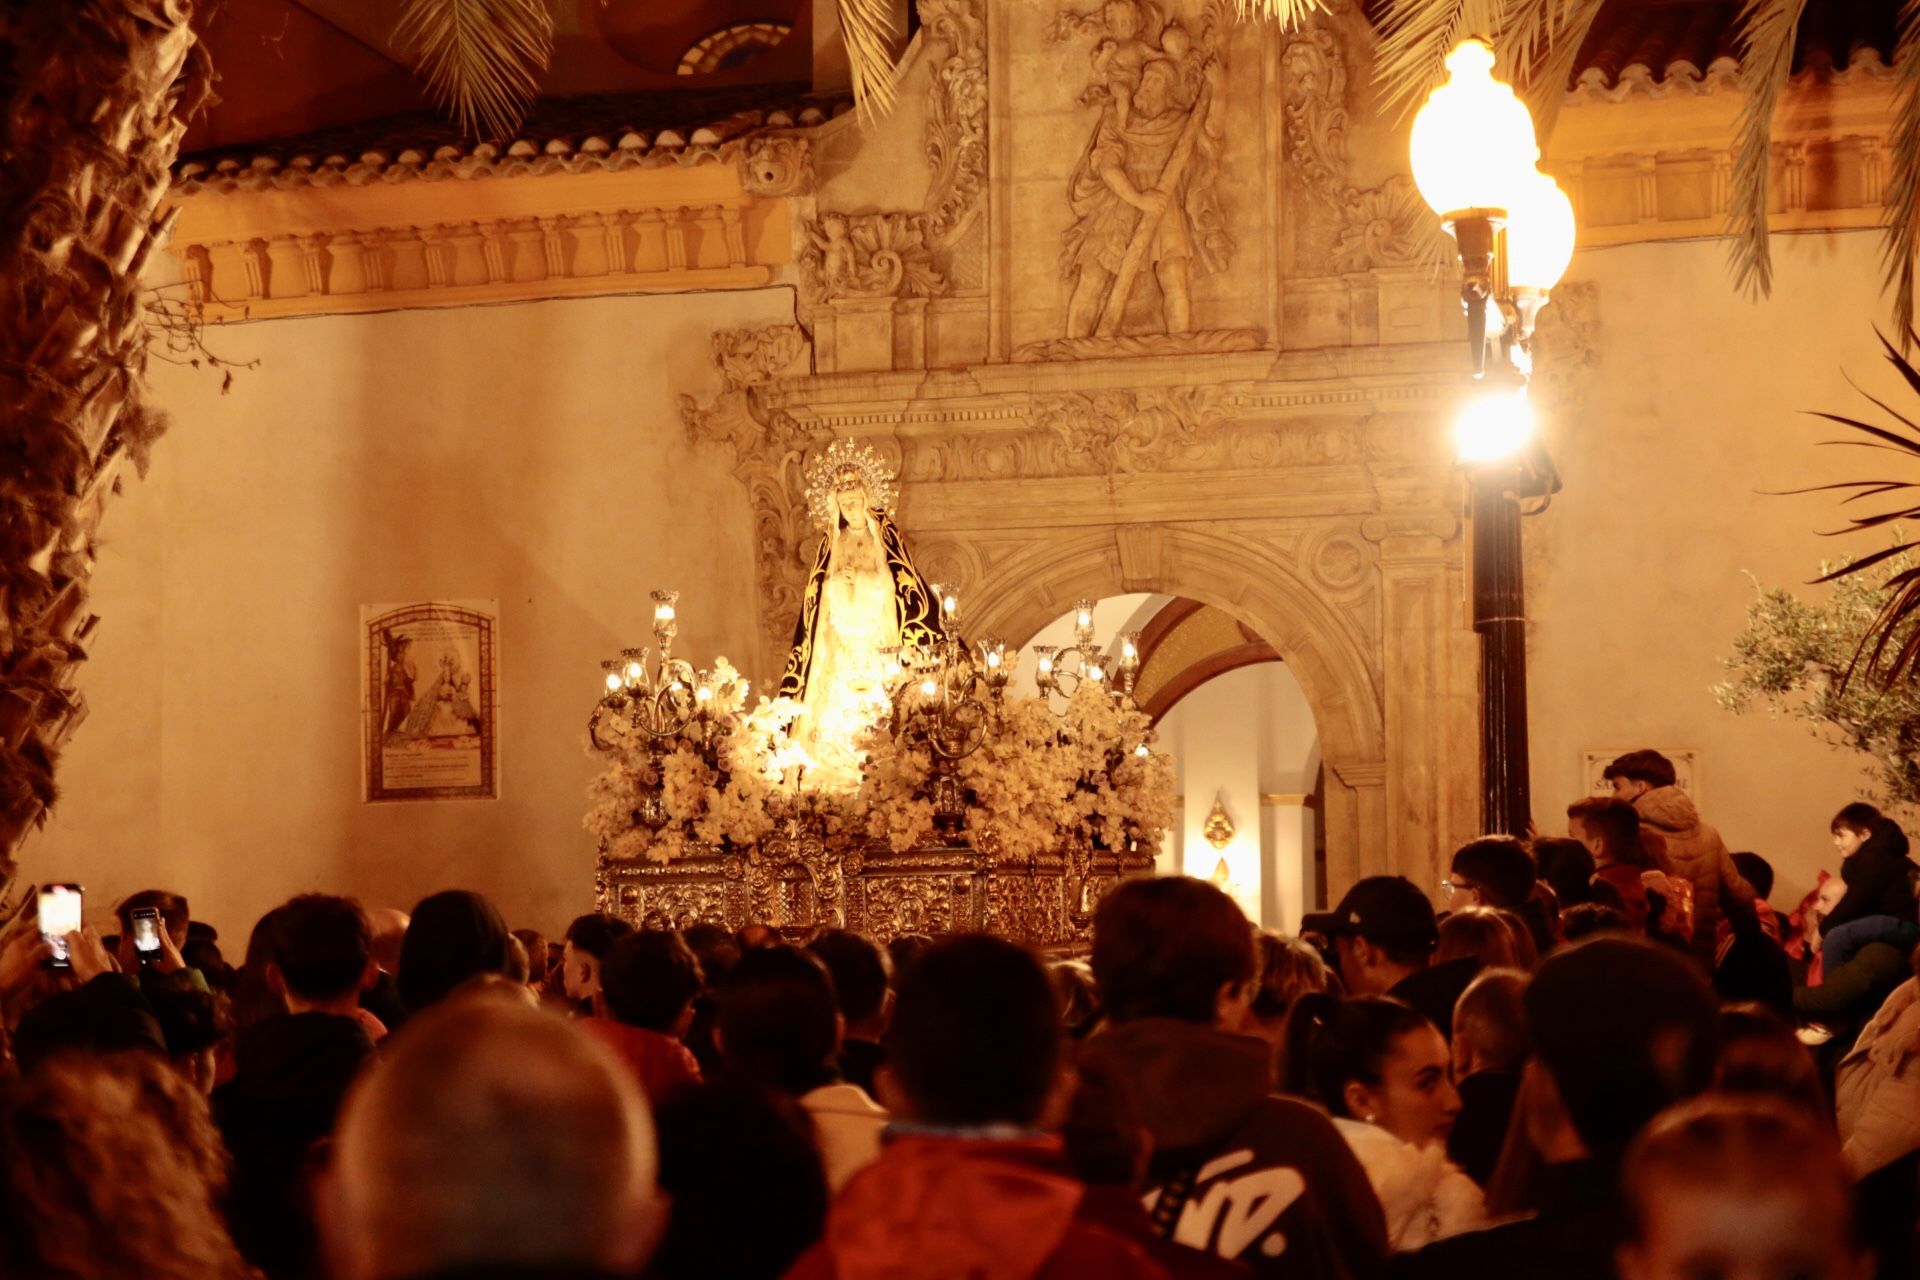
<point>1602,1055</point>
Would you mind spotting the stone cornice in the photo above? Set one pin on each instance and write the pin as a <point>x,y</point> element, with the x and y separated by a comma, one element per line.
<point>1646,165</point>
<point>719,222</point>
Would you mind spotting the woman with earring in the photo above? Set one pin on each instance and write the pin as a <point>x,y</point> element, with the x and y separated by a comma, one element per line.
<point>1386,1075</point>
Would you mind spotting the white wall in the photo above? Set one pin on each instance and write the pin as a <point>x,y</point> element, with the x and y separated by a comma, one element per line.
<point>1237,738</point>
<point>531,454</point>
<point>1637,574</point>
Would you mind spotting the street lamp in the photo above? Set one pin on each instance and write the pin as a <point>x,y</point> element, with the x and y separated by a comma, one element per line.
<point>1475,161</point>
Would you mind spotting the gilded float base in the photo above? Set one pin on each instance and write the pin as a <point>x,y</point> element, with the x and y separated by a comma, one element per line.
<point>797,885</point>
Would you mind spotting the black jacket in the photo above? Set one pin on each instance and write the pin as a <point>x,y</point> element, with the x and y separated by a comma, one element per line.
<point>291,1072</point>
<point>1434,991</point>
<point>1571,1238</point>
<point>1480,1130</point>
<point>1878,880</point>
<point>1269,1181</point>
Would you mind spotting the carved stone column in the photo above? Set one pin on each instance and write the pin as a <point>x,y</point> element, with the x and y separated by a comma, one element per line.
<point>1429,779</point>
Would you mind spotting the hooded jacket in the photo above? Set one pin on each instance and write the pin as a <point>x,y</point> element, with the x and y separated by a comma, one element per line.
<point>964,1209</point>
<point>1878,880</point>
<point>1257,1177</point>
<point>1877,1086</point>
<point>1695,851</point>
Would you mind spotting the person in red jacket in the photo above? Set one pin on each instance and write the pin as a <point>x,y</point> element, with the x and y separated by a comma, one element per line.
<point>1611,831</point>
<point>969,1184</point>
<point>648,981</point>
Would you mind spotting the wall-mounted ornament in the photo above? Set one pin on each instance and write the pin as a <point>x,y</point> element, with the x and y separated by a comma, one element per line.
<point>1219,828</point>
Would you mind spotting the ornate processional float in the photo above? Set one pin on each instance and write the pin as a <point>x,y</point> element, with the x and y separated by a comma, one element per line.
<point>894,783</point>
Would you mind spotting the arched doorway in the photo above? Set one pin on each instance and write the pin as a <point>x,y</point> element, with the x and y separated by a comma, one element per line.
<point>1245,747</point>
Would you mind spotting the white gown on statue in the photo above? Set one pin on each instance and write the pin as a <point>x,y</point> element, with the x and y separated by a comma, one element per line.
<point>846,684</point>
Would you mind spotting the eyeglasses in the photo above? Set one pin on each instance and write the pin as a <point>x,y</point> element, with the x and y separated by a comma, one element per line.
<point>1450,886</point>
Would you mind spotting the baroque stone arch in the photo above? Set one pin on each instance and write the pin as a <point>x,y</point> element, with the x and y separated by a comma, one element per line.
<point>1022,592</point>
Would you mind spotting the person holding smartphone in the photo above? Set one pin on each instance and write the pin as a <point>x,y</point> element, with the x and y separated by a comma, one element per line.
<point>153,929</point>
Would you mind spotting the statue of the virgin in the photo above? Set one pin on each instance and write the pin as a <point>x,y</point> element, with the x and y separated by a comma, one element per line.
<point>863,596</point>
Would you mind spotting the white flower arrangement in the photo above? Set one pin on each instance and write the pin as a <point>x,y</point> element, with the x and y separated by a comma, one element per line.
<point>1037,782</point>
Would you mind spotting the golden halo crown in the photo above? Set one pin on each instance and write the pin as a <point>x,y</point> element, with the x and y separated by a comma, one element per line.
<point>847,464</point>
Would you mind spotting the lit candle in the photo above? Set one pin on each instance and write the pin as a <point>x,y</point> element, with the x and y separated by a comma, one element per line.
<point>613,682</point>
<point>928,688</point>
<point>1043,655</point>
<point>1096,673</point>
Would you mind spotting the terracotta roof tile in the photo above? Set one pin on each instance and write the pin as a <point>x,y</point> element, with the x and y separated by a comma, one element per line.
<point>570,135</point>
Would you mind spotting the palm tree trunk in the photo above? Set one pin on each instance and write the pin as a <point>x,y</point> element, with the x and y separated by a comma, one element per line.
<point>97,95</point>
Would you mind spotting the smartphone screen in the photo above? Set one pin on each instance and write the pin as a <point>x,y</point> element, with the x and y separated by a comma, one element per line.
<point>59,916</point>
<point>146,931</point>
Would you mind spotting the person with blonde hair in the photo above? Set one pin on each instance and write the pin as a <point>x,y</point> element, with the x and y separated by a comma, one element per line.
<point>1289,968</point>
<point>1498,939</point>
<point>110,1166</point>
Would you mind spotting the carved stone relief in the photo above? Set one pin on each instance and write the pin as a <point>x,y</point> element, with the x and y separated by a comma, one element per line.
<point>1343,228</point>
<point>1144,195</point>
<point>778,165</point>
<point>767,451</point>
<point>868,255</point>
<point>957,115</point>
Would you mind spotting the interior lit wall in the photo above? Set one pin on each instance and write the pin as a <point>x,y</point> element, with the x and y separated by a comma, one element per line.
<point>1246,739</point>
<point>1637,575</point>
<point>529,454</point>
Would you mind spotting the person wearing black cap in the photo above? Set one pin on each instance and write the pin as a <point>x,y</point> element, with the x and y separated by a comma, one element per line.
<point>1383,934</point>
<point>1621,1029</point>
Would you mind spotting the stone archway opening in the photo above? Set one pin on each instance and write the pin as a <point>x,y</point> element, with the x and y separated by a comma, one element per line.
<point>1245,746</point>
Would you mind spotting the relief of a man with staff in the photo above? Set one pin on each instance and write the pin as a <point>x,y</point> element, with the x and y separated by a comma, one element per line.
<point>1142,194</point>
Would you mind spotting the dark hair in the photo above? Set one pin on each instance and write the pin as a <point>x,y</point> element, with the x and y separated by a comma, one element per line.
<point>171,906</point>
<point>778,1019</point>
<point>861,970</point>
<point>649,979</point>
<point>1756,871</point>
<point>204,954</point>
<point>453,936</point>
<point>976,1033</point>
<point>1289,969</point>
<point>720,1143</point>
<point>1163,948</point>
<point>1500,867</point>
<point>1760,1054</point>
<point>1492,1014</point>
<point>1857,816</point>
<point>1617,825</point>
<point>904,950</point>
<point>1567,865</point>
<point>715,948</point>
<point>1331,1042</point>
<point>535,943</point>
<point>254,999</point>
<point>1590,918</point>
<point>322,946</point>
<point>191,1019</point>
<point>596,934</point>
<point>1643,765</point>
<point>1625,1027</point>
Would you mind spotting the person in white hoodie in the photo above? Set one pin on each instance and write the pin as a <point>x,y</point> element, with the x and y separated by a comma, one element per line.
<point>1385,1073</point>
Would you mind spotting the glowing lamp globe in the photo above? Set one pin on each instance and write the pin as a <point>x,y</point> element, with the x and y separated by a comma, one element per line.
<point>1473,140</point>
<point>1494,426</point>
<point>1540,234</point>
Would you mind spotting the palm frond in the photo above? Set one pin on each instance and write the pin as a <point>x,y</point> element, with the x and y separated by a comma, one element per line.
<point>868,29</point>
<point>1537,43</point>
<point>1289,13</point>
<point>1892,627</point>
<point>1767,30</point>
<point>1902,197</point>
<point>1415,38</point>
<point>481,59</point>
